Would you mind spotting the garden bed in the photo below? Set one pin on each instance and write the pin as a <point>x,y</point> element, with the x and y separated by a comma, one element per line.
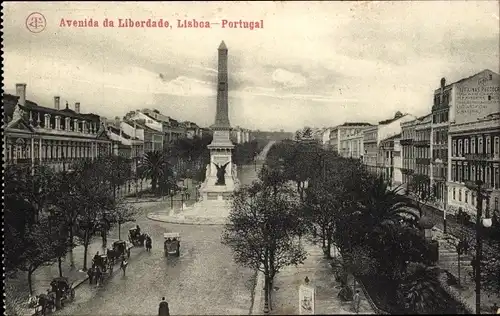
<point>387,300</point>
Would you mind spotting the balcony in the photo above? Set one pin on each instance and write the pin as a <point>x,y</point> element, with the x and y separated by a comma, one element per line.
<point>480,157</point>
<point>422,143</point>
<point>423,161</point>
<point>406,142</point>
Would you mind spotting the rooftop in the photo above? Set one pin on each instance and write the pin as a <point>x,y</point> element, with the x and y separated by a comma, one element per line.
<point>11,101</point>
<point>356,124</point>
<point>392,137</point>
<point>463,79</point>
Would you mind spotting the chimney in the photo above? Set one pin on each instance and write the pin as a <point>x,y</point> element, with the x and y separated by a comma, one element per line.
<point>77,107</point>
<point>57,104</point>
<point>441,94</point>
<point>21,93</point>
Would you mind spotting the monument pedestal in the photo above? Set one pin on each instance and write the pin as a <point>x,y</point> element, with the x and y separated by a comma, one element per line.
<point>220,157</point>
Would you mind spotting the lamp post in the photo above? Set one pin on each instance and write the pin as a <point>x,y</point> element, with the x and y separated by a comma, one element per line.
<point>481,194</point>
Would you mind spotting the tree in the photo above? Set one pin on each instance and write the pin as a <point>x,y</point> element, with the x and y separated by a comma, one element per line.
<point>122,214</point>
<point>418,289</point>
<point>38,248</point>
<point>261,231</point>
<point>381,204</point>
<point>154,167</point>
<point>91,198</point>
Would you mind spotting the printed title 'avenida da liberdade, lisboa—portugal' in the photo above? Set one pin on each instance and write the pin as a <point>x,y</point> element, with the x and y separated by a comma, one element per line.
<point>160,23</point>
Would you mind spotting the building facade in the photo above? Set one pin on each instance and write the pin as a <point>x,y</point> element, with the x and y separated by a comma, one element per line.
<point>126,145</point>
<point>463,101</point>
<point>407,151</point>
<point>370,146</point>
<point>372,136</point>
<point>352,145</point>
<point>340,133</point>
<point>475,155</point>
<point>240,135</point>
<point>422,150</point>
<point>56,137</point>
<point>391,163</point>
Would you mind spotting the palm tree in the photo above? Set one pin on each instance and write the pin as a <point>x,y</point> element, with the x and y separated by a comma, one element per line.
<point>419,289</point>
<point>156,167</point>
<point>382,206</point>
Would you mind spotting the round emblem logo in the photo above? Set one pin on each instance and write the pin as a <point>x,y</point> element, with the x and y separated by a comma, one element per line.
<point>35,22</point>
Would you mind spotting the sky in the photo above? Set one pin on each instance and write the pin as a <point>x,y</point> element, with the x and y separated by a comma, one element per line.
<point>313,64</point>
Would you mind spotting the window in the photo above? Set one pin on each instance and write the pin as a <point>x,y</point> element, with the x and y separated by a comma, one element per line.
<point>496,204</point>
<point>473,198</point>
<point>460,173</point>
<point>466,146</point>
<point>488,144</point>
<point>497,178</point>
<point>490,77</point>
<point>466,173</point>
<point>473,145</point>
<point>497,145</point>
<point>466,196</point>
<point>454,194</point>
<point>454,148</point>
<point>459,148</point>
<point>460,195</point>
<point>480,145</point>
<point>453,172</point>
<point>489,98</point>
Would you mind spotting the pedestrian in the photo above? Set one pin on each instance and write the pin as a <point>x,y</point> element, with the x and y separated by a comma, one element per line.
<point>355,302</point>
<point>90,274</point>
<point>123,265</point>
<point>163,309</point>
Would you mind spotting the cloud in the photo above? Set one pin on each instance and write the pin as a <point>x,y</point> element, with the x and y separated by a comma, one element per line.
<point>288,79</point>
<point>334,62</point>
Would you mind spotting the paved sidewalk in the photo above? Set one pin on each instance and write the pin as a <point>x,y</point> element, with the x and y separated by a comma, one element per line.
<point>16,289</point>
<point>286,285</point>
<point>467,291</point>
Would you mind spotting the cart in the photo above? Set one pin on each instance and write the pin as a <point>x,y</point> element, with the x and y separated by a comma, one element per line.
<point>171,244</point>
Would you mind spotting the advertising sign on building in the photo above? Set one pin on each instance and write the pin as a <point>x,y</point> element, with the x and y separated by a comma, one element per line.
<point>477,97</point>
<point>306,300</point>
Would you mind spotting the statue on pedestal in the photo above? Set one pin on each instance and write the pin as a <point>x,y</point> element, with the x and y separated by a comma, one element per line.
<point>221,172</point>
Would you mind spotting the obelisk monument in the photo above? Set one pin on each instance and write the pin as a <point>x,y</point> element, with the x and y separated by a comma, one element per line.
<point>220,176</point>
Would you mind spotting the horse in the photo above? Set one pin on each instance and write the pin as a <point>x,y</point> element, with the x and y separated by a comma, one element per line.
<point>45,302</point>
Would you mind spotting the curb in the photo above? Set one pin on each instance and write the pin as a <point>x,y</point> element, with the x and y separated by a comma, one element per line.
<point>257,308</point>
<point>181,222</point>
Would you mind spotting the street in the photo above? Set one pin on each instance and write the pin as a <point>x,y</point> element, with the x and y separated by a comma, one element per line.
<point>203,280</point>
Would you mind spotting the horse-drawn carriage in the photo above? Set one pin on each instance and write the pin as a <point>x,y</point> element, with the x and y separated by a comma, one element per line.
<point>121,248</point>
<point>172,244</point>
<point>61,290</point>
<point>61,285</point>
<point>101,268</point>
<point>135,237</point>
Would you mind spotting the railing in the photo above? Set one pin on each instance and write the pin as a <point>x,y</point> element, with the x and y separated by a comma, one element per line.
<point>405,142</point>
<point>423,161</point>
<point>422,142</point>
<point>480,156</point>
